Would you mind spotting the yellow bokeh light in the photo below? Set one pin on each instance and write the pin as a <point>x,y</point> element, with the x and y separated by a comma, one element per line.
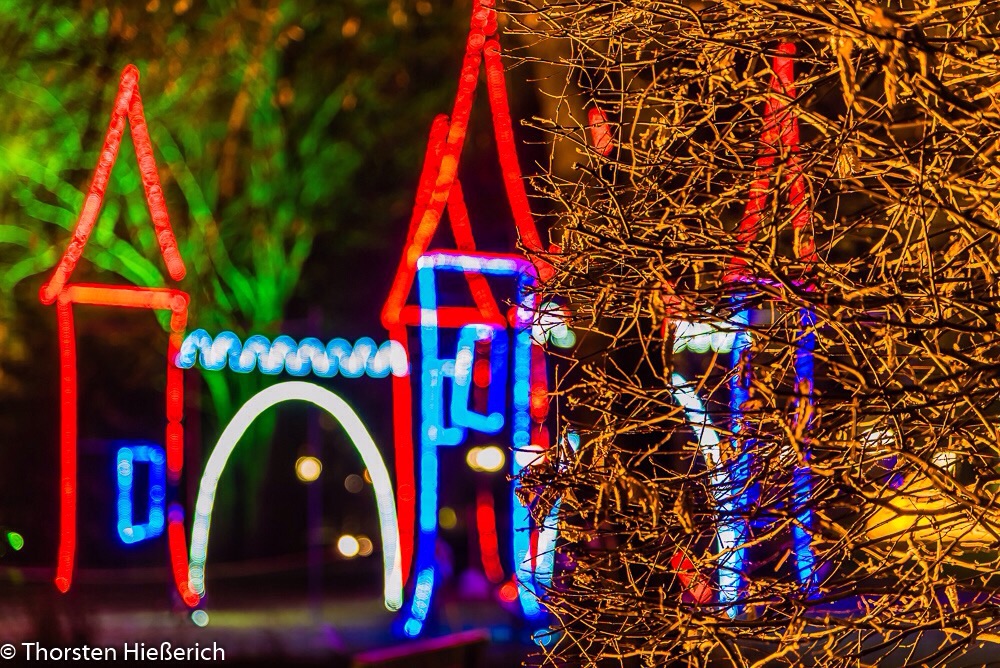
<point>489,458</point>
<point>348,546</point>
<point>308,468</point>
<point>447,518</point>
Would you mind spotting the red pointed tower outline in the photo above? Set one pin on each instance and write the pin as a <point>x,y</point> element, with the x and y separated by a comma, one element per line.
<point>440,189</point>
<point>127,109</point>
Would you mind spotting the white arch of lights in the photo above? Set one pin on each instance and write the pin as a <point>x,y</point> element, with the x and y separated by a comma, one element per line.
<point>362,440</point>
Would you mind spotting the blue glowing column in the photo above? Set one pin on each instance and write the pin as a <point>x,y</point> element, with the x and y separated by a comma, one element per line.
<point>433,433</point>
<point>524,571</point>
<point>801,478</point>
<point>740,493</point>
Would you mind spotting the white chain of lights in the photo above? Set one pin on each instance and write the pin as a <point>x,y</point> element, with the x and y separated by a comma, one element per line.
<point>310,355</point>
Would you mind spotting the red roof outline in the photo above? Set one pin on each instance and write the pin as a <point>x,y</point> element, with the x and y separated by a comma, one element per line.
<point>127,108</point>
<point>439,187</point>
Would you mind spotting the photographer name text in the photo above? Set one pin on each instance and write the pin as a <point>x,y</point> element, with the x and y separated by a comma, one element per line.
<point>135,651</point>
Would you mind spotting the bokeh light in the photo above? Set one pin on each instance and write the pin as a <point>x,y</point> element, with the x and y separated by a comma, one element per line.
<point>308,468</point>
<point>447,518</point>
<point>348,546</point>
<point>529,455</point>
<point>15,539</point>
<point>508,592</point>
<point>353,483</point>
<point>489,458</point>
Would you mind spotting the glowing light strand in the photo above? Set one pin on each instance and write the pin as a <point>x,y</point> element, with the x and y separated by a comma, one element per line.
<point>434,434</point>
<point>127,458</point>
<point>780,130</point>
<point>506,148</point>
<point>127,108</point>
<point>363,443</point>
<point>461,414</point>
<point>486,528</point>
<point>530,441</point>
<point>548,533</point>
<point>684,395</point>
<point>406,484</point>
<point>700,337</point>
<point>67,444</point>
<point>176,536</point>
<point>300,358</point>
<point>805,561</point>
<point>176,302</point>
<point>127,104</point>
<point>733,526</point>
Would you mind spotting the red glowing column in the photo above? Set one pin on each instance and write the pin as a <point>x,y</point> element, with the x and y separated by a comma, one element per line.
<point>486,527</point>
<point>781,130</point>
<point>67,443</point>
<point>507,149</point>
<point>406,483</point>
<point>179,565</point>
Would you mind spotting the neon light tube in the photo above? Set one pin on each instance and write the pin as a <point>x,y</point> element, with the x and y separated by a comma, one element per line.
<point>128,104</point>
<point>461,414</point>
<point>486,527</point>
<point>805,561</point>
<point>301,358</point>
<point>434,433</point>
<point>128,456</point>
<point>363,443</point>
<point>733,527</point>
<point>67,445</point>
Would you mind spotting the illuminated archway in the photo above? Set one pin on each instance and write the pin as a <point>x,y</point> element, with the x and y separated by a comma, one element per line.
<point>362,440</point>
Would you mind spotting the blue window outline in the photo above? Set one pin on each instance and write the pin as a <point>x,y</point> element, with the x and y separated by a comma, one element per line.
<point>127,457</point>
<point>465,357</point>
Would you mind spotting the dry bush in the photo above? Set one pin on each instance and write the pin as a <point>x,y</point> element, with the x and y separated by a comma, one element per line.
<point>894,248</point>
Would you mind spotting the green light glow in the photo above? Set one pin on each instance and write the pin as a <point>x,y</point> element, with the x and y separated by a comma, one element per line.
<point>15,539</point>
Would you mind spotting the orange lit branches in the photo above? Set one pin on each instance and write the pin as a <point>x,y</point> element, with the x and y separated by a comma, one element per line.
<point>851,210</point>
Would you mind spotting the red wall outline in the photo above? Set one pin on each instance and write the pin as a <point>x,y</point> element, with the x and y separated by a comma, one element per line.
<point>127,109</point>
